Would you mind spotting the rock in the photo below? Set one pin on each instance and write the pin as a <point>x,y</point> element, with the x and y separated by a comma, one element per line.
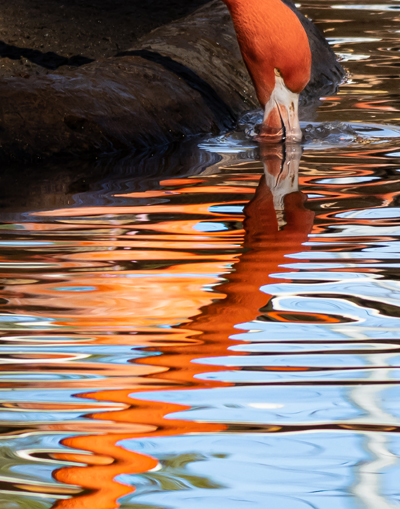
<point>182,79</point>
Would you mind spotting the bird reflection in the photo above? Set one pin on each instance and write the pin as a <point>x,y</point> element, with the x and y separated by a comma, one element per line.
<point>281,169</point>
<point>276,224</point>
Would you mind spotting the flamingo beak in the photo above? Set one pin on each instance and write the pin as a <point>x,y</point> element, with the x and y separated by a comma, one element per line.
<point>281,116</point>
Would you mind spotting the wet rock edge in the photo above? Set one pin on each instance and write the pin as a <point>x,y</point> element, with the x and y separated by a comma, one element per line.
<point>182,79</point>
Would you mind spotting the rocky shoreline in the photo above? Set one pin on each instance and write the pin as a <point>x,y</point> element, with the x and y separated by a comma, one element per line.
<point>184,78</point>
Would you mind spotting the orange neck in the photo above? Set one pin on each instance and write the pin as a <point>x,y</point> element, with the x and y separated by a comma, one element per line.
<point>271,37</point>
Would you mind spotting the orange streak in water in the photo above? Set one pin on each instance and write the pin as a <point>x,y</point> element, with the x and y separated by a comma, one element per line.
<point>372,105</point>
<point>206,334</point>
<point>99,479</point>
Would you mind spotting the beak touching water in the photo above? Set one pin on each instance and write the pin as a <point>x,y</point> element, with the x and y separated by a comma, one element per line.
<point>281,117</point>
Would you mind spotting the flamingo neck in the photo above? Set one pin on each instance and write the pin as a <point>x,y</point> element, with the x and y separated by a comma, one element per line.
<point>272,40</point>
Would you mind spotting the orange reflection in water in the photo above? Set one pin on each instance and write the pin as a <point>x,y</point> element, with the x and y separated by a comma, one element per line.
<point>374,105</point>
<point>276,223</point>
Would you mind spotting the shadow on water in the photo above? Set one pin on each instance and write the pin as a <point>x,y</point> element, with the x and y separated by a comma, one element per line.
<point>96,182</point>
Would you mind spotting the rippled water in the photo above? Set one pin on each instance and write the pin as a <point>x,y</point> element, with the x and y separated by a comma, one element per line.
<point>215,325</point>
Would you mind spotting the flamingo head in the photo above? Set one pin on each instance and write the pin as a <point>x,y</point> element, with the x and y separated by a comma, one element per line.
<point>276,51</point>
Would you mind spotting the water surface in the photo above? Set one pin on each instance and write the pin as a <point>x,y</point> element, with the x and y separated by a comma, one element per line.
<point>218,324</point>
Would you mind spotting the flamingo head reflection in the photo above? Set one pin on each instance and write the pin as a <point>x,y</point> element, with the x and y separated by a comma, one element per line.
<point>277,212</point>
<point>281,171</point>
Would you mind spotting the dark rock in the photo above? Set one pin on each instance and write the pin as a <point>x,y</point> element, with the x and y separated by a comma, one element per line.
<point>182,79</point>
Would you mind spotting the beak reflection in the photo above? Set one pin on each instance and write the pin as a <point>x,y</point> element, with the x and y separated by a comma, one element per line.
<point>281,169</point>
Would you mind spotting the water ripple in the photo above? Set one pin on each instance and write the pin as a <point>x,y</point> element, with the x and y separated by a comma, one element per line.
<point>217,324</point>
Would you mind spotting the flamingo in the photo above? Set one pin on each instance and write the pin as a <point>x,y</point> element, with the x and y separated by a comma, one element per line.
<point>276,50</point>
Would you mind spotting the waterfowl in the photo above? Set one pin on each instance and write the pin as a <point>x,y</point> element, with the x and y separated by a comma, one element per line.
<point>276,51</point>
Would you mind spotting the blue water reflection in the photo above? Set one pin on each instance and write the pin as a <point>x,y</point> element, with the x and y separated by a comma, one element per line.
<point>287,406</point>
<point>217,325</point>
<point>296,470</point>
